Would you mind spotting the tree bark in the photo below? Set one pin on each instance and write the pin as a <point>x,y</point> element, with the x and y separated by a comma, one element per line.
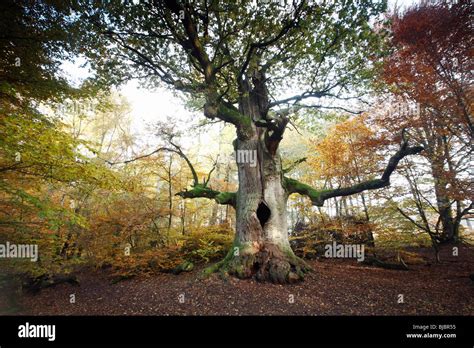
<point>261,245</point>
<point>170,197</point>
<point>444,206</point>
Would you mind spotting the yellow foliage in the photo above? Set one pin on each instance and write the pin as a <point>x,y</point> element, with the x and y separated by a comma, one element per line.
<point>346,150</point>
<point>207,244</point>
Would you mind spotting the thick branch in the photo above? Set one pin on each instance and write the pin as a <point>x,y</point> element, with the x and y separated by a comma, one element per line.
<point>192,39</point>
<point>319,196</point>
<point>228,113</point>
<point>201,191</point>
<point>274,134</point>
<point>464,212</point>
<point>275,127</point>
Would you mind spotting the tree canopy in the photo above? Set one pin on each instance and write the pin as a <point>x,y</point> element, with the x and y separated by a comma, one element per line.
<point>212,49</point>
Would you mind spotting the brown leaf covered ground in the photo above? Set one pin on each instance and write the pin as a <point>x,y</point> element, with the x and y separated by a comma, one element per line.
<point>336,287</point>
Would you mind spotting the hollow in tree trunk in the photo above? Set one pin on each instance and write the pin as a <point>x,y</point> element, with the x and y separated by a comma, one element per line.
<point>261,247</point>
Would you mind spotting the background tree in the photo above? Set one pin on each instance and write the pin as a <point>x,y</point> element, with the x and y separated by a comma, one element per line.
<point>347,156</point>
<point>39,159</point>
<point>430,72</point>
<point>35,38</point>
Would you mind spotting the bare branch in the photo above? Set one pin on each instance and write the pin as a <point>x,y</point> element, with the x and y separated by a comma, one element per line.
<point>176,150</point>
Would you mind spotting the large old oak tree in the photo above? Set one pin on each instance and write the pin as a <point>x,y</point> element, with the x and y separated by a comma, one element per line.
<point>242,59</point>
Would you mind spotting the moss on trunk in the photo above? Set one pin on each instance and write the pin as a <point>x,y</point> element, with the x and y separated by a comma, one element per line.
<point>262,261</point>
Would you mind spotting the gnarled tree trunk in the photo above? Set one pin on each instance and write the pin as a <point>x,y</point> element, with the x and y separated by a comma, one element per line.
<point>261,247</point>
<point>261,244</point>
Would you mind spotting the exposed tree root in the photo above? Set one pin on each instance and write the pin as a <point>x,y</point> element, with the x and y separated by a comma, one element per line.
<point>371,260</point>
<point>265,262</point>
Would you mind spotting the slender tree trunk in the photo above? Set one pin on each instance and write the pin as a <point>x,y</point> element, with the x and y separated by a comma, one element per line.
<point>170,199</point>
<point>452,172</point>
<point>443,204</point>
<point>227,207</point>
<point>215,206</point>
<point>370,234</point>
<point>214,211</point>
<point>183,218</point>
<point>438,154</point>
<point>366,209</point>
<point>336,204</point>
<point>344,204</point>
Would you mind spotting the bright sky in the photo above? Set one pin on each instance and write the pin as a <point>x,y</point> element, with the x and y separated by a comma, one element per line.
<point>147,105</point>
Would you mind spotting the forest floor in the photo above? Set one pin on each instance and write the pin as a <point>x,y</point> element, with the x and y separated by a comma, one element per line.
<point>335,287</point>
